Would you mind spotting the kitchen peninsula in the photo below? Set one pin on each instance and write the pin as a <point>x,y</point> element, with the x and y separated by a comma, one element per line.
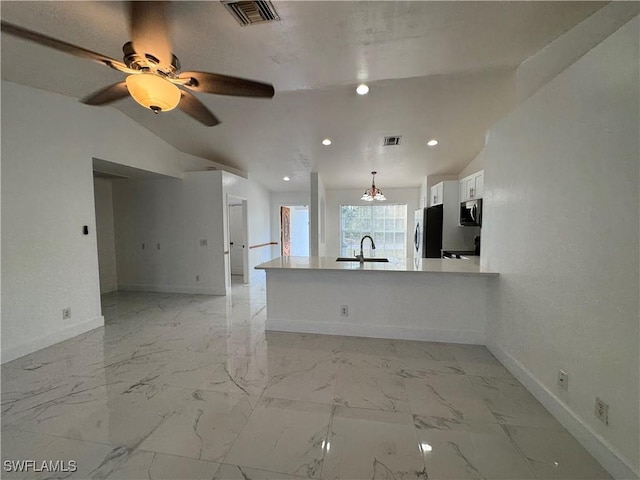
<point>439,300</point>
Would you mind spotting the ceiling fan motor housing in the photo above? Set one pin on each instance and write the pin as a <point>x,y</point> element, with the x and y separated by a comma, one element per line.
<point>148,62</point>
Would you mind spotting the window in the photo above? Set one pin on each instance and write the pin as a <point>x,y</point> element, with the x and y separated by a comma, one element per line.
<point>386,223</point>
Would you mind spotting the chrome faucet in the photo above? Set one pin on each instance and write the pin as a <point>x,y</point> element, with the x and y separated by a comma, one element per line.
<point>373,247</point>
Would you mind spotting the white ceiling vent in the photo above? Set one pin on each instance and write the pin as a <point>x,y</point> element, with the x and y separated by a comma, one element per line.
<point>390,141</point>
<point>251,12</point>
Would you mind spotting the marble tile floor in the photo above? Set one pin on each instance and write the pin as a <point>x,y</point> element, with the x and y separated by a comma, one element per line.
<point>192,387</point>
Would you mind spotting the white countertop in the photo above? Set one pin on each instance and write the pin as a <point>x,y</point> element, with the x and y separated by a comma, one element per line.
<point>421,265</point>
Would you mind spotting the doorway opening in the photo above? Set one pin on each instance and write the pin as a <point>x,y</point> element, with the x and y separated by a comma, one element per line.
<point>238,240</point>
<point>294,230</point>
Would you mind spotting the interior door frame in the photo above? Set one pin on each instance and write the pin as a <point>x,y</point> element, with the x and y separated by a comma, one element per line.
<point>234,200</point>
<point>289,205</point>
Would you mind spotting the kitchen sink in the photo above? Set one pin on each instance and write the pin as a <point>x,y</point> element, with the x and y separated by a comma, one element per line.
<point>353,259</point>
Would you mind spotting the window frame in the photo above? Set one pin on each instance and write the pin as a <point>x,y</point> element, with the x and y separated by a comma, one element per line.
<point>378,230</point>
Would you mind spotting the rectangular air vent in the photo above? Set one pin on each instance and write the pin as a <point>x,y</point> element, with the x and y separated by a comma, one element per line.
<point>252,12</point>
<point>390,141</point>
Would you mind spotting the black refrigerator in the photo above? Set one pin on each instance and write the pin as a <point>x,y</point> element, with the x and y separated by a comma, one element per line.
<point>428,232</point>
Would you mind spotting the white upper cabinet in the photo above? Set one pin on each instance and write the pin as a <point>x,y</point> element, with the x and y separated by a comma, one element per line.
<point>472,187</point>
<point>424,194</point>
<point>437,194</point>
<point>479,184</point>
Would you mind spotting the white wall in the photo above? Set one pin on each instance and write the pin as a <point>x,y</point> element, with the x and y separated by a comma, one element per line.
<point>476,164</point>
<point>299,231</point>
<point>561,227</point>
<point>414,306</point>
<point>543,66</point>
<point>105,235</point>
<point>47,196</point>
<point>259,216</point>
<point>318,222</point>
<point>191,163</point>
<point>424,194</point>
<point>176,214</point>
<point>435,179</point>
<point>48,142</point>
<point>335,198</point>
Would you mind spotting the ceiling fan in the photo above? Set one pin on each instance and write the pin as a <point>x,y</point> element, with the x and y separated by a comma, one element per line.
<point>154,75</point>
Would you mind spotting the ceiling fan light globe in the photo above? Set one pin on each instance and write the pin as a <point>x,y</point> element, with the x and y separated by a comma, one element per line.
<point>153,92</point>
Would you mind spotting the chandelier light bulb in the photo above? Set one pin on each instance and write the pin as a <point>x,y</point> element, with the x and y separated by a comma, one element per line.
<point>373,193</point>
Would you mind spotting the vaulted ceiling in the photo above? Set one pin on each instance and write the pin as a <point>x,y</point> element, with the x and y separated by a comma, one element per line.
<point>440,70</point>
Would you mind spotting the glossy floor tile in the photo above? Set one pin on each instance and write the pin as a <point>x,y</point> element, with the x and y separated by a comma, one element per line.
<point>193,387</point>
<point>369,443</point>
<point>470,450</point>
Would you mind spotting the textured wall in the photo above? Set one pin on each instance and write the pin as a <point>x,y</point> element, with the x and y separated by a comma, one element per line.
<point>105,235</point>
<point>561,227</point>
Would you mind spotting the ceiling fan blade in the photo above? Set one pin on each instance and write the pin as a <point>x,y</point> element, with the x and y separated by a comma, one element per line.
<point>61,46</point>
<point>107,95</point>
<point>150,30</point>
<point>193,107</point>
<point>225,85</point>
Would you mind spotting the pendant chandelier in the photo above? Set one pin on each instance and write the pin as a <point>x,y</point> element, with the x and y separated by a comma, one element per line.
<point>373,193</point>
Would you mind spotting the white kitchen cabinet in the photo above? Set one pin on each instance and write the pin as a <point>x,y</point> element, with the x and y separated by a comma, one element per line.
<point>472,187</point>
<point>437,194</point>
<point>479,184</point>
<point>424,194</point>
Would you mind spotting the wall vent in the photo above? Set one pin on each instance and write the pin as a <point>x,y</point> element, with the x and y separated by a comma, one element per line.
<point>390,141</point>
<point>251,12</point>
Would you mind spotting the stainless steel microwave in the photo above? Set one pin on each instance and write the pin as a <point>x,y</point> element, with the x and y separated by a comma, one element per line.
<point>471,213</point>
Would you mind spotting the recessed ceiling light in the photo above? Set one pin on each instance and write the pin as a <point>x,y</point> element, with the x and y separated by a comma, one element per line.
<point>432,142</point>
<point>362,89</point>
<point>286,179</point>
<point>326,142</point>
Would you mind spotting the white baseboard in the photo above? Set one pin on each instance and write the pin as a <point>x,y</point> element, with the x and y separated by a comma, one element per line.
<point>597,446</point>
<point>20,350</point>
<point>138,287</point>
<point>377,331</point>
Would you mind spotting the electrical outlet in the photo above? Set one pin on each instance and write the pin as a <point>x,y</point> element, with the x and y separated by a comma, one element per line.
<point>563,380</point>
<point>158,246</point>
<point>197,278</point>
<point>203,242</point>
<point>602,411</point>
<point>143,246</point>
<point>344,310</point>
<point>66,313</point>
